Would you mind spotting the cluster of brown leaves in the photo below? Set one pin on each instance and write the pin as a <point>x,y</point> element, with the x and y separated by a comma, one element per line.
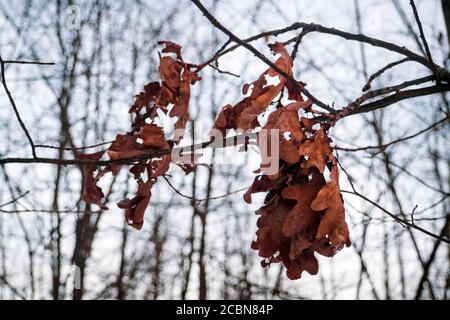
<point>171,96</point>
<point>302,213</point>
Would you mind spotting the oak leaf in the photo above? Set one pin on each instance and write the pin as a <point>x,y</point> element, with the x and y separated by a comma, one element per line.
<point>243,115</point>
<point>153,137</point>
<point>302,217</point>
<point>317,151</point>
<point>332,225</point>
<point>124,146</point>
<point>91,192</point>
<point>135,207</point>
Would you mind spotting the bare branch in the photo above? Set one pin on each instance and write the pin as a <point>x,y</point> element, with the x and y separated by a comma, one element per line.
<point>385,145</point>
<point>45,146</point>
<point>381,71</point>
<point>49,211</point>
<point>399,96</point>
<point>28,62</point>
<point>223,143</point>
<point>15,199</point>
<point>258,54</point>
<point>354,105</point>
<point>204,199</point>
<point>14,290</point>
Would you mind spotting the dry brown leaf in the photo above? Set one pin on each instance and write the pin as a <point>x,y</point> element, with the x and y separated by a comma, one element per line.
<point>135,207</point>
<point>153,137</point>
<point>302,217</point>
<point>317,151</point>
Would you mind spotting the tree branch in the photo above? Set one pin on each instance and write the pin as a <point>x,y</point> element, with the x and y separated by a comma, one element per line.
<point>424,40</point>
<point>354,105</point>
<point>258,54</point>
<point>204,199</point>
<point>15,199</point>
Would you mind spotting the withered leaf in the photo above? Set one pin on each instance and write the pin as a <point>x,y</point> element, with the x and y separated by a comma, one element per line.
<point>171,47</point>
<point>302,214</point>
<point>170,72</point>
<point>181,107</point>
<point>298,244</point>
<point>144,98</point>
<point>300,217</point>
<point>261,183</point>
<point>174,88</point>
<point>285,120</point>
<point>270,237</point>
<point>158,168</point>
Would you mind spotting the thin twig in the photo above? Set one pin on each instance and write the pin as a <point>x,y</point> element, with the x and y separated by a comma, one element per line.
<point>412,213</point>
<point>28,62</point>
<point>224,71</point>
<point>394,98</point>
<point>48,211</point>
<point>314,27</point>
<point>349,178</point>
<point>14,290</point>
<point>356,104</point>
<point>214,57</point>
<point>45,146</point>
<point>297,42</point>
